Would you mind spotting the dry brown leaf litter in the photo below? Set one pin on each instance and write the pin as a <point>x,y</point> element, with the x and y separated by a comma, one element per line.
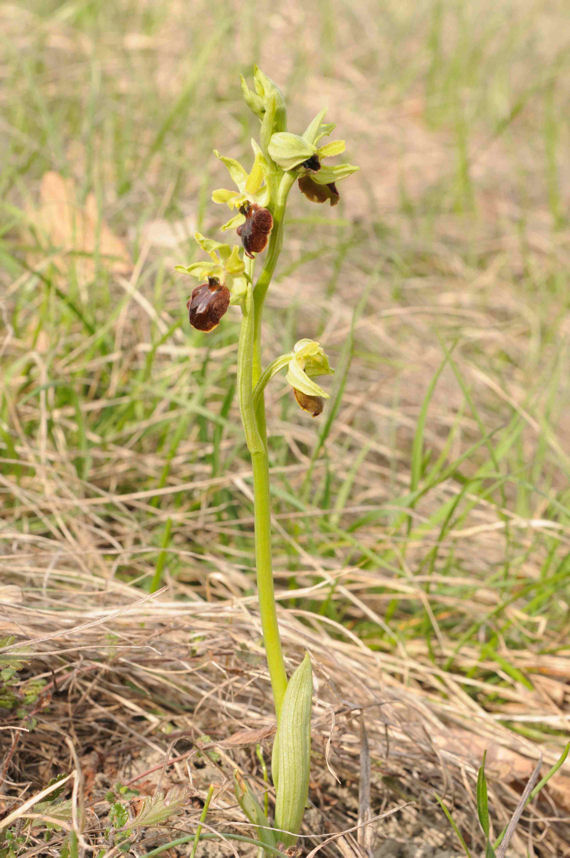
<point>137,687</point>
<point>75,235</point>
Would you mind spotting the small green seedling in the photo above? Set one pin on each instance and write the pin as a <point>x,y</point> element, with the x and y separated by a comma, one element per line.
<point>280,159</point>
<point>498,848</point>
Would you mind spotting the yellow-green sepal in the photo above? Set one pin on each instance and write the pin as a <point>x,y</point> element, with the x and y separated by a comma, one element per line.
<point>201,270</point>
<point>314,130</point>
<point>228,259</point>
<point>290,150</point>
<point>235,169</point>
<point>222,195</point>
<point>214,249</point>
<point>299,380</point>
<point>259,171</point>
<point>313,356</point>
<point>252,187</point>
<point>233,263</point>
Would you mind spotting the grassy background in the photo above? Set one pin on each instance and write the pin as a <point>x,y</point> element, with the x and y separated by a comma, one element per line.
<point>426,512</point>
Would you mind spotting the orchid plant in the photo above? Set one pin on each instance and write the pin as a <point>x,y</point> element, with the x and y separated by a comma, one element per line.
<point>281,158</point>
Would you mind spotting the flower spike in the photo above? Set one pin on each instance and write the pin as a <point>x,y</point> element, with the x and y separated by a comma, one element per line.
<point>227,275</point>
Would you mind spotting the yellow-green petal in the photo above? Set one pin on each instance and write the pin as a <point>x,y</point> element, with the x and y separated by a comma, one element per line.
<point>329,150</point>
<point>298,379</point>
<point>235,169</point>
<point>233,222</point>
<point>222,195</point>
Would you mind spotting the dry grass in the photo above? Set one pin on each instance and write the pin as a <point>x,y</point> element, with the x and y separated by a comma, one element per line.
<point>134,689</point>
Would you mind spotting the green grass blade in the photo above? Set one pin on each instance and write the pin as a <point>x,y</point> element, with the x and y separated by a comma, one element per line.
<point>453,824</point>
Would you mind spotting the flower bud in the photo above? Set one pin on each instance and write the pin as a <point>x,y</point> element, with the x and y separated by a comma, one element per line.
<point>207,304</point>
<point>254,101</point>
<point>254,233</point>
<point>267,103</point>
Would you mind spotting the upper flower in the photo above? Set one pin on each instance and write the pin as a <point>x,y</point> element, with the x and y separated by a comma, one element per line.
<point>302,152</point>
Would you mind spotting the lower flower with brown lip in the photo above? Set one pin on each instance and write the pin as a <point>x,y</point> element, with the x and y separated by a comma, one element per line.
<point>207,304</point>
<point>254,233</point>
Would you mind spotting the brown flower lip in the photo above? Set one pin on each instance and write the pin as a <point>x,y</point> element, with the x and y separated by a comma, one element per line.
<point>312,404</point>
<point>207,304</point>
<point>319,193</point>
<point>254,233</point>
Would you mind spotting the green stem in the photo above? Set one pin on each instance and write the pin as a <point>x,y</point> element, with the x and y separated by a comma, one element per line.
<point>255,440</point>
<point>265,590</point>
<point>253,418</point>
<point>257,444</point>
<point>273,251</point>
<point>274,367</point>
